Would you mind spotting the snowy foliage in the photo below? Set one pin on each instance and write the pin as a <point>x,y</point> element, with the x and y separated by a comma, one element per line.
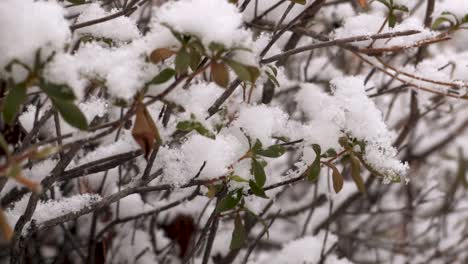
<point>217,131</point>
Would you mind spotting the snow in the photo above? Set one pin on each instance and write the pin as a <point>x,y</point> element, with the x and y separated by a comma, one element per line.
<point>181,165</point>
<point>64,69</point>
<point>37,25</point>
<point>458,8</point>
<point>305,250</point>
<point>46,210</point>
<point>209,20</point>
<point>261,122</point>
<point>121,28</point>
<point>370,24</point>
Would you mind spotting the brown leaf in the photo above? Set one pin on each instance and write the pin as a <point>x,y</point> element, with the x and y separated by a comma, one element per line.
<point>356,175</point>
<point>161,54</point>
<point>5,228</point>
<point>181,230</point>
<point>337,178</point>
<point>100,253</point>
<point>219,74</point>
<point>144,130</point>
<point>363,3</point>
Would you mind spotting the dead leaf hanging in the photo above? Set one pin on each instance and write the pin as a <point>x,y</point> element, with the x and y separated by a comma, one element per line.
<point>144,130</point>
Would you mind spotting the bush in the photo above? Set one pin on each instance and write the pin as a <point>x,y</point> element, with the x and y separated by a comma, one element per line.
<point>216,131</point>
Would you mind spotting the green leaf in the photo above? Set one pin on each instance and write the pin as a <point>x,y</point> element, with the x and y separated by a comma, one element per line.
<point>391,20</point>
<point>14,171</point>
<point>237,178</point>
<point>265,225</point>
<point>229,201</point>
<point>317,149</point>
<point>198,46</point>
<point>216,47</point>
<point>356,175</point>
<point>462,170</point>
<point>257,146</point>
<point>386,3</point>
<point>257,190</point>
<point>76,2</point>
<point>258,172</point>
<point>240,69</point>
<point>331,152</point>
<point>273,69</point>
<point>188,126</point>
<point>465,19</point>
<point>182,61</point>
<point>195,58</point>
<point>239,234</point>
<point>71,113</point>
<point>58,91</point>
<point>301,2</point>
<point>13,101</point>
<point>164,76</point>
<point>254,73</point>
<point>272,79</point>
<point>273,151</point>
<point>441,20</point>
<point>314,171</point>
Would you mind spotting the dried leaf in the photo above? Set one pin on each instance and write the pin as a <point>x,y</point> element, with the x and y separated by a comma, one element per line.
<point>144,130</point>
<point>161,54</point>
<point>337,178</point>
<point>219,74</point>
<point>5,228</point>
<point>363,3</point>
<point>181,229</point>
<point>356,175</point>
